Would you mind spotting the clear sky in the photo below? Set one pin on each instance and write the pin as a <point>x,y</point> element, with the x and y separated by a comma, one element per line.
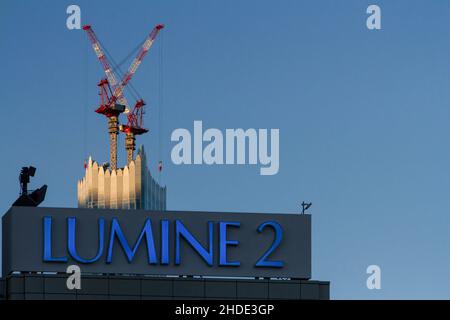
<point>363,117</point>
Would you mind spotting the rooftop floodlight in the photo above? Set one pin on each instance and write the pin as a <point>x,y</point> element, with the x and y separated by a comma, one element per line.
<point>26,198</point>
<point>24,178</point>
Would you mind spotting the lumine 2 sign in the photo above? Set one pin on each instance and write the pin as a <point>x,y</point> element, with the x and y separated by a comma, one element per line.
<point>117,237</point>
<point>157,243</point>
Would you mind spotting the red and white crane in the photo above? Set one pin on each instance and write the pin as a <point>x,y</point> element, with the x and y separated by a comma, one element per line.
<point>110,76</point>
<point>112,100</point>
<point>135,123</point>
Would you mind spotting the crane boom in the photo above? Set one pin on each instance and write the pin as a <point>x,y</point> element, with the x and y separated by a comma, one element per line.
<point>118,91</point>
<point>105,64</point>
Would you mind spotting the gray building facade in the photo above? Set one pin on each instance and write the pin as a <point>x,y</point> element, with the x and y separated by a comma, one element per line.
<point>28,286</point>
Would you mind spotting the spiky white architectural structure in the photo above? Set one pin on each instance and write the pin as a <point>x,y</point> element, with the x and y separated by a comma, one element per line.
<point>131,187</point>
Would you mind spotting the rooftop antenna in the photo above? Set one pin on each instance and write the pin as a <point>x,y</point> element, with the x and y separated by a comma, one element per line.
<point>305,206</point>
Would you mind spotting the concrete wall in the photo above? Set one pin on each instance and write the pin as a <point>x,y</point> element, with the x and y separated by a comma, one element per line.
<point>130,187</point>
<point>53,287</point>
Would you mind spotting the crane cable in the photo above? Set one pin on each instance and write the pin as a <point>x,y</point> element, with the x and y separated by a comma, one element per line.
<point>161,104</point>
<point>118,71</point>
<point>85,103</point>
<point>133,52</point>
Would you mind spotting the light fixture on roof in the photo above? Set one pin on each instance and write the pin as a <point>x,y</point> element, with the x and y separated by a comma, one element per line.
<point>27,198</point>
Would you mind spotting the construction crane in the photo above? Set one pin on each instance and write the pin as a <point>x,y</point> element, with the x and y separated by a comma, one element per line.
<point>112,100</point>
<point>134,125</point>
<point>108,106</point>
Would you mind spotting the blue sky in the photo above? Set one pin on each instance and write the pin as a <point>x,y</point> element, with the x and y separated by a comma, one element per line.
<point>363,118</point>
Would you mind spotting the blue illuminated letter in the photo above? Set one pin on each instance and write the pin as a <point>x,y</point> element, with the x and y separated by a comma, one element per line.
<point>263,262</point>
<point>71,232</point>
<point>180,230</point>
<point>164,242</point>
<point>48,242</point>
<point>223,243</point>
<point>146,231</point>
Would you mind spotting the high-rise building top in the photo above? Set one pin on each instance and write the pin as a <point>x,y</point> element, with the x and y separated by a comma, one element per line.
<point>130,187</point>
